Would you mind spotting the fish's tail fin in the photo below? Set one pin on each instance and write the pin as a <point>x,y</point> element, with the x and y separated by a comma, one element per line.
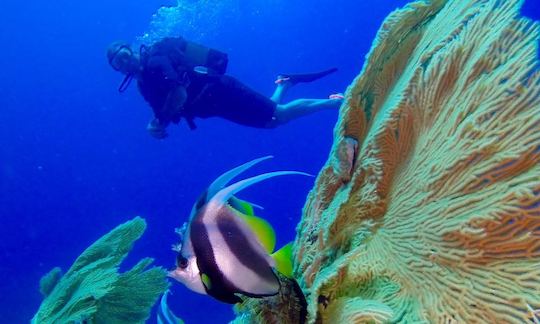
<point>283,258</point>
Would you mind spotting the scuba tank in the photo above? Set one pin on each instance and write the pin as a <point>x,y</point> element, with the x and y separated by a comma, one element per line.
<point>202,57</point>
<point>188,55</point>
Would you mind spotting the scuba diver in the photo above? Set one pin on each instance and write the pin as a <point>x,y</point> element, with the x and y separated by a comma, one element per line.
<point>181,79</point>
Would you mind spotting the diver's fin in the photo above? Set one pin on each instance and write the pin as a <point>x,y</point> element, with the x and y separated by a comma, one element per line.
<point>283,258</point>
<point>306,77</point>
<point>226,193</point>
<point>262,229</point>
<point>226,177</point>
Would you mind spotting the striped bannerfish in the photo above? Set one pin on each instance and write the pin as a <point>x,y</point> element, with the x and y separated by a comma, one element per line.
<point>225,249</point>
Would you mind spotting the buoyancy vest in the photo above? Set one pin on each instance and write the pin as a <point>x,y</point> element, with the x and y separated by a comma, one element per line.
<point>190,60</point>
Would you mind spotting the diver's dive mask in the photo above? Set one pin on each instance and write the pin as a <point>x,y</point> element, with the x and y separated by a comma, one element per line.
<point>116,59</point>
<point>119,57</point>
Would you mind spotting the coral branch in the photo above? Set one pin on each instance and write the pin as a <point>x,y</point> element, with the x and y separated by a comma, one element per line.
<point>93,290</point>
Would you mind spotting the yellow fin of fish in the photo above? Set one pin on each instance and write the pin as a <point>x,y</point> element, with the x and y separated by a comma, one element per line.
<point>247,208</point>
<point>262,229</point>
<point>206,281</point>
<point>283,258</point>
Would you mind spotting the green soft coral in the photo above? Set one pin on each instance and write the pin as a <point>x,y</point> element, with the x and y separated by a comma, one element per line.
<point>49,281</point>
<point>93,290</point>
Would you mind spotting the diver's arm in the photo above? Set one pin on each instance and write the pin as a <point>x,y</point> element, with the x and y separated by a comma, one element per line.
<point>174,103</point>
<point>177,96</point>
<point>170,112</point>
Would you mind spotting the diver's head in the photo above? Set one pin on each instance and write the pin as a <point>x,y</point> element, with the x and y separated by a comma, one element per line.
<point>187,272</point>
<point>122,58</point>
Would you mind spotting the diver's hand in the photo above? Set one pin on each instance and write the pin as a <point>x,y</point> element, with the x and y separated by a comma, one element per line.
<point>157,129</point>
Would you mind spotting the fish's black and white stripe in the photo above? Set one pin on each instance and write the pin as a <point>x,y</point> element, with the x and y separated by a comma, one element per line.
<point>231,256</point>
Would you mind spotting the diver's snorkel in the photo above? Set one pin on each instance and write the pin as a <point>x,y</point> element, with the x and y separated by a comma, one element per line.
<point>125,83</point>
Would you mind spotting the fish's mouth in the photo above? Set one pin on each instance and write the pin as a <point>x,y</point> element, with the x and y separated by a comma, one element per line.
<point>178,275</point>
<point>172,274</point>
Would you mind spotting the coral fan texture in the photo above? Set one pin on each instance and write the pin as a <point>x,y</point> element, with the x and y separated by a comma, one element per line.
<point>94,291</point>
<point>428,209</point>
<point>289,306</point>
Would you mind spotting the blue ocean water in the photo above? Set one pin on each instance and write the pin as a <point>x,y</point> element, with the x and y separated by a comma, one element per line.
<point>76,160</point>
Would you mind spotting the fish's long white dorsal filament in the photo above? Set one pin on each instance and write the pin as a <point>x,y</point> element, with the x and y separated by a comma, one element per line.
<point>224,194</point>
<point>226,177</point>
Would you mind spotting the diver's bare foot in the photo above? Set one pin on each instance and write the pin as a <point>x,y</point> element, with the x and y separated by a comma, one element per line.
<point>336,96</point>
<point>281,79</point>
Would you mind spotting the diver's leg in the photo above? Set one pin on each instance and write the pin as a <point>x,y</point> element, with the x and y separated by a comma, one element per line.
<point>285,81</point>
<point>301,107</point>
<point>281,88</point>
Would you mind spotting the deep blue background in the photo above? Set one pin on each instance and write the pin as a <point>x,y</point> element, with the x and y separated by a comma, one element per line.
<point>75,159</point>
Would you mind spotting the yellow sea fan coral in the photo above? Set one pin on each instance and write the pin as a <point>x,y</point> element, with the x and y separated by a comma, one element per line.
<point>357,310</point>
<point>435,217</point>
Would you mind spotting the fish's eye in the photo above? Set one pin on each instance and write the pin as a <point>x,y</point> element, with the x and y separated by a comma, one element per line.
<point>181,261</point>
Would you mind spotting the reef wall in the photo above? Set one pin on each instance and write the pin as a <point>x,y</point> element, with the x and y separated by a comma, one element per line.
<point>428,209</point>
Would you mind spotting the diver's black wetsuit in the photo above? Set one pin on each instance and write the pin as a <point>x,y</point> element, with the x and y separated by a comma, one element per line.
<point>164,67</point>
